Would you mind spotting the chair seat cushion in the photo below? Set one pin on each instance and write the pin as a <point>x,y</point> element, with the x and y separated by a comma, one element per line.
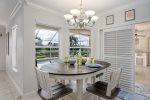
<point>58,90</point>
<point>99,88</point>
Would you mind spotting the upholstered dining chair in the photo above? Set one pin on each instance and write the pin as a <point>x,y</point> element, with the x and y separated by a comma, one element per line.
<point>107,90</point>
<point>50,90</point>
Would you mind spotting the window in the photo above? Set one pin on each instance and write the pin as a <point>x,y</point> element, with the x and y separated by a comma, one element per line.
<point>47,43</point>
<point>14,48</point>
<point>80,44</point>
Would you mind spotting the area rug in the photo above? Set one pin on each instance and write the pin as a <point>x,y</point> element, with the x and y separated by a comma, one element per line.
<point>123,95</point>
<point>142,89</point>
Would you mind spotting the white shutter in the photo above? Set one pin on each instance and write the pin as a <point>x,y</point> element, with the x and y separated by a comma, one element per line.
<point>119,51</point>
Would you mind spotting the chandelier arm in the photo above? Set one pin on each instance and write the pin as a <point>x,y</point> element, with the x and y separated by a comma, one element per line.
<point>70,24</point>
<point>75,19</point>
<point>90,25</point>
<point>89,20</point>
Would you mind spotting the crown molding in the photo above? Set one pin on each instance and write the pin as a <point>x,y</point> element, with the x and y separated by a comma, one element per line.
<point>36,6</point>
<point>15,10</point>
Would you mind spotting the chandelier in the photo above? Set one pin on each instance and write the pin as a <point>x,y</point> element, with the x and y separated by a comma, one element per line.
<point>81,18</point>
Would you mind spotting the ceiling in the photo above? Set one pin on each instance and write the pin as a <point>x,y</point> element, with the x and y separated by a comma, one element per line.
<point>143,26</point>
<point>6,8</point>
<point>64,6</point>
<point>143,29</point>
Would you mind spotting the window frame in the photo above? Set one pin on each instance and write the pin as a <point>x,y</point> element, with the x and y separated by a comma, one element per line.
<point>48,46</point>
<point>14,48</point>
<point>80,47</point>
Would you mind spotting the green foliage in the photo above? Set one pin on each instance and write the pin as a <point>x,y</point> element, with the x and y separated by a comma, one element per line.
<point>73,41</point>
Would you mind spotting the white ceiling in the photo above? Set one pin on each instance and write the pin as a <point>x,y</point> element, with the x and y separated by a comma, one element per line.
<point>6,7</point>
<point>64,6</point>
<point>143,29</point>
<point>143,26</point>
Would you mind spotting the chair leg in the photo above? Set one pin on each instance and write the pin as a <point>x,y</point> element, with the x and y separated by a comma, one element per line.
<point>69,81</point>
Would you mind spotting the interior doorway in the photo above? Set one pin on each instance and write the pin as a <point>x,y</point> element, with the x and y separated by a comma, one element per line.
<point>142,58</point>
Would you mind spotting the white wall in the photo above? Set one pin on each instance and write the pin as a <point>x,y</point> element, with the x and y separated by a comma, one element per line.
<point>16,77</point>
<point>142,46</point>
<point>2,48</point>
<point>142,14</point>
<point>27,18</point>
<point>31,17</point>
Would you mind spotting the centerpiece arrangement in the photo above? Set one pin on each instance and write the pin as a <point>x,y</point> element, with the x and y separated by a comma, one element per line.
<point>79,60</point>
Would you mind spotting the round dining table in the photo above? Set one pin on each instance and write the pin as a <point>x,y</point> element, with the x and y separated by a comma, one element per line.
<point>65,71</point>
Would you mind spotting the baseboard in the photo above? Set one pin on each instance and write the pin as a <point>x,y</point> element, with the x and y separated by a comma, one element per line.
<point>29,95</point>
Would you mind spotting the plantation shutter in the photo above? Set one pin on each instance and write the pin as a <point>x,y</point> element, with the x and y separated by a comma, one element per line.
<point>119,51</point>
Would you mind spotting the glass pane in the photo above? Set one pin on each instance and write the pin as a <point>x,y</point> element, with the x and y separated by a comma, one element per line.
<point>46,37</point>
<point>74,52</point>
<point>42,53</point>
<point>54,52</point>
<point>79,40</point>
<point>85,52</point>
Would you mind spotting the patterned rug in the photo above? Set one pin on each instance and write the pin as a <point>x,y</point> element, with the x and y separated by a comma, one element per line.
<point>131,96</point>
<point>142,89</point>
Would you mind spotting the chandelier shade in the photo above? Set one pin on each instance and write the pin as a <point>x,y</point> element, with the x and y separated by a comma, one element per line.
<point>80,18</point>
<point>90,13</point>
<point>75,12</point>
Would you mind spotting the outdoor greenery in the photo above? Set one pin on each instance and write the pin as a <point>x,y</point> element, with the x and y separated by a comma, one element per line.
<point>46,53</point>
<point>73,41</point>
<point>45,41</point>
<point>80,45</point>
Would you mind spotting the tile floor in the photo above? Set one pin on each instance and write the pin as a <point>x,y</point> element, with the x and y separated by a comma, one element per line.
<point>143,80</point>
<point>7,93</point>
<point>143,75</point>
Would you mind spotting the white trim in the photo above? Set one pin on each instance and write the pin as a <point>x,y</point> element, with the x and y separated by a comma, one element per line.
<point>47,47</point>
<point>81,47</point>
<point>14,48</point>
<point>40,22</point>
<point>29,95</point>
<point>36,6</point>
<point>15,69</point>
<point>15,10</point>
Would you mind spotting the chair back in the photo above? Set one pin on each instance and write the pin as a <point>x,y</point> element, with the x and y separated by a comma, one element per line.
<point>114,81</point>
<point>44,83</point>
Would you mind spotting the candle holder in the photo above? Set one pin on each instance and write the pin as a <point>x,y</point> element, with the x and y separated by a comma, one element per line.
<point>92,60</point>
<point>79,61</point>
<point>66,59</point>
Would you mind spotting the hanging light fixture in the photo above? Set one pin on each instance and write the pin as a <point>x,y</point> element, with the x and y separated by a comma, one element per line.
<point>80,18</point>
<point>136,39</point>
